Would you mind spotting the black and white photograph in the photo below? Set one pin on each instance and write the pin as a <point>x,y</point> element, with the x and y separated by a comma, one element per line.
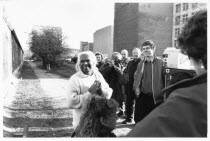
<point>103,68</point>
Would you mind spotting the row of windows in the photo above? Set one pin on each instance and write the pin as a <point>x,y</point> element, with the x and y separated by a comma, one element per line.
<point>177,31</point>
<point>185,7</point>
<point>175,43</point>
<point>184,18</point>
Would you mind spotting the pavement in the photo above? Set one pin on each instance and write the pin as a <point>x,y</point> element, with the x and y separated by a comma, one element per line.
<point>42,108</point>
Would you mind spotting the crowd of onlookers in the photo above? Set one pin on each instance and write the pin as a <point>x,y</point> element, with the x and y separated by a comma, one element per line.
<point>104,89</point>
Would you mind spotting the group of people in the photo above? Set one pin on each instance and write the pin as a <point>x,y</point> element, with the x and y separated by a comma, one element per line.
<point>97,90</point>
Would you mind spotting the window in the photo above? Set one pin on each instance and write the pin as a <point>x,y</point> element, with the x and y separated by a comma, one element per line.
<point>178,8</point>
<point>177,20</point>
<point>175,43</point>
<point>177,31</point>
<point>185,6</point>
<point>194,5</point>
<point>185,18</point>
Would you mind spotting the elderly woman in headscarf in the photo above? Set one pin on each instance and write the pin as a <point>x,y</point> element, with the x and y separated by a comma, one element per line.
<point>84,83</point>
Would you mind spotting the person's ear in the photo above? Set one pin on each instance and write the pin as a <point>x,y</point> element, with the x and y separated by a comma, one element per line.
<point>103,121</point>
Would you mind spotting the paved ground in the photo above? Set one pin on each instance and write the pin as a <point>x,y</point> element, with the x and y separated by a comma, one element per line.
<point>41,105</point>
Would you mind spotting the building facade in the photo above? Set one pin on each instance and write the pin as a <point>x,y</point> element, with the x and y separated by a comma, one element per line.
<point>136,22</point>
<point>125,26</point>
<point>103,41</point>
<point>11,52</point>
<point>85,46</point>
<point>181,13</point>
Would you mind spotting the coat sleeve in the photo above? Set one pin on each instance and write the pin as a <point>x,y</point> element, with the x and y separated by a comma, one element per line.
<point>106,90</point>
<point>136,75</point>
<point>176,117</point>
<point>75,98</point>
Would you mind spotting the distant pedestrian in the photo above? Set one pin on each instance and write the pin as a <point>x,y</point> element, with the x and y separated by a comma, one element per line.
<point>99,120</point>
<point>99,58</point>
<point>124,61</point>
<point>148,81</point>
<point>84,83</point>
<point>125,58</point>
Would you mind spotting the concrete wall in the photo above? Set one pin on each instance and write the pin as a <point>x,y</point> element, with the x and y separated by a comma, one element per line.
<point>125,26</point>
<point>11,52</point>
<point>17,53</point>
<point>136,22</point>
<point>155,23</point>
<point>5,50</point>
<point>103,41</point>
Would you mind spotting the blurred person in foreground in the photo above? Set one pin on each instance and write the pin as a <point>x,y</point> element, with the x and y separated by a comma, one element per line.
<point>184,113</point>
<point>84,83</point>
<point>99,120</point>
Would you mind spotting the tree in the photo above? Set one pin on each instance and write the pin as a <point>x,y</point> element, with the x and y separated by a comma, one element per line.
<point>48,43</point>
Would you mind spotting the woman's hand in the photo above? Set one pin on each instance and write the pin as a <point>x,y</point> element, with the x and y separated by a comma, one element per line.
<point>95,88</point>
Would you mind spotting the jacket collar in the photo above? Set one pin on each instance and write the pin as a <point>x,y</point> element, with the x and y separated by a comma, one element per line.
<point>84,75</point>
<point>187,83</point>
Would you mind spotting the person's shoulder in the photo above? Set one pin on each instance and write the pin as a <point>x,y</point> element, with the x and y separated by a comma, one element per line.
<point>158,59</point>
<point>97,72</point>
<point>74,76</point>
<point>191,90</point>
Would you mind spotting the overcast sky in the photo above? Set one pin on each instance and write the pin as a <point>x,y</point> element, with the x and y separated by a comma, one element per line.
<point>79,19</point>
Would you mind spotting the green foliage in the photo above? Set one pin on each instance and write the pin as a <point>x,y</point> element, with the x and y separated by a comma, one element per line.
<point>47,43</point>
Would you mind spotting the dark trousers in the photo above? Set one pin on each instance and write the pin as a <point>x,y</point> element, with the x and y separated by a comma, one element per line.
<point>143,106</point>
<point>129,105</point>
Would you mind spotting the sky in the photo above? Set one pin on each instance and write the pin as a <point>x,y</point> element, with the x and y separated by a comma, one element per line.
<point>79,19</point>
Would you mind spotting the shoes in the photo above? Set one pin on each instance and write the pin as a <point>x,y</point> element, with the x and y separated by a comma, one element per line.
<point>127,120</point>
<point>120,113</point>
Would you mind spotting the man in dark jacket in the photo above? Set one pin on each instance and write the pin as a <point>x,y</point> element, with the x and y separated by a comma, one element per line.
<point>130,93</point>
<point>114,71</point>
<point>148,81</point>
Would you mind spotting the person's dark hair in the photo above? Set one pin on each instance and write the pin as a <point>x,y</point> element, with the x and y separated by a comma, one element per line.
<point>98,53</point>
<point>90,124</point>
<point>149,43</point>
<point>193,39</point>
